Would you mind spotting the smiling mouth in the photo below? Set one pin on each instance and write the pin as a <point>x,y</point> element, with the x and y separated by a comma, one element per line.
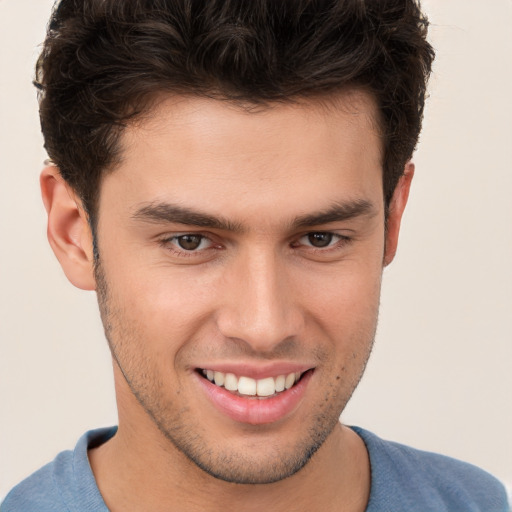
<point>249,387</point>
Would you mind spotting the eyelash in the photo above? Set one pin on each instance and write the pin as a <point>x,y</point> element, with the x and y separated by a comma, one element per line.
<point>170,243</point>
<point>339,241</point>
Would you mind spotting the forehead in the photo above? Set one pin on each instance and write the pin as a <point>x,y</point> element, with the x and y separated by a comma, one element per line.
<point>213,154</point>
<point>352,111</point>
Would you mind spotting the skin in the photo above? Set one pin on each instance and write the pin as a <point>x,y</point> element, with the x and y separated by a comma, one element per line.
<point>255,292</point>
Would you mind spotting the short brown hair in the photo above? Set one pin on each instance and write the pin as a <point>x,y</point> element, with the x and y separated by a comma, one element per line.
<point>103,61</point>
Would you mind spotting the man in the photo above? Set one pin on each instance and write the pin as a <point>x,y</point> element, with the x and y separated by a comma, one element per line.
<point>230,178</point>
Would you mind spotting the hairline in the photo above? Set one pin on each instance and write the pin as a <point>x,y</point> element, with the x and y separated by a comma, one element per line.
<point>342,98</point>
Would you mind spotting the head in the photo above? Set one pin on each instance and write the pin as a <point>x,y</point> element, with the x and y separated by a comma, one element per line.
<point>105,62</point>
<point>240,167</point>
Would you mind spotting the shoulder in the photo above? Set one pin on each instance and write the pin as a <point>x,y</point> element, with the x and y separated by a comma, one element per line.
<point>65,484</point>
<point>416,480</point>
<point>39,491</point>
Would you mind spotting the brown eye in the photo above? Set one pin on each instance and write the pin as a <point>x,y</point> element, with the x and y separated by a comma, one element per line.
<point>189,242</point>
<point>320,239</point>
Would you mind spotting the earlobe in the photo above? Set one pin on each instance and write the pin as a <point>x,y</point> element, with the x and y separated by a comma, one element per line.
<point>68,229</point>
<point>396,210</point>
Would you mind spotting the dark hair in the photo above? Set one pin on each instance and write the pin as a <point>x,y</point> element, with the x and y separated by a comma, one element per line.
<point>103,61</point>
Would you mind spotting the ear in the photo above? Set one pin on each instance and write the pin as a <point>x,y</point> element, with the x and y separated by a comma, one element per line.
<point>68,229</point>
<point>396,210</point>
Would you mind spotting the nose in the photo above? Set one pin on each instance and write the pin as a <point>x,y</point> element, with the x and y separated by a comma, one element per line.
<point>260,307</point>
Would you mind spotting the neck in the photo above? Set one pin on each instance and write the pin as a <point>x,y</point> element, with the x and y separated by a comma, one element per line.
<point>138,469</point>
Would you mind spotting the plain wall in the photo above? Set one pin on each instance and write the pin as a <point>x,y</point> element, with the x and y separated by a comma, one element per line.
<point>440,377</point>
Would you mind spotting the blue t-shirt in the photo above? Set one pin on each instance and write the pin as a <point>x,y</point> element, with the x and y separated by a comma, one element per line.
<point>402,480</point>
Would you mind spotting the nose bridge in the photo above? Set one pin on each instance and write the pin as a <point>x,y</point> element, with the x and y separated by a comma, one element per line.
<point>260,308</point>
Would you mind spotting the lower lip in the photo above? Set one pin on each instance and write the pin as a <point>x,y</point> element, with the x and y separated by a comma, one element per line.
<point>254,410</point>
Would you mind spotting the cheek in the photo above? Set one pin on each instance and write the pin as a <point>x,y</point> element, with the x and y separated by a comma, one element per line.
<point>347,296</point>
<point>344,314</point>
<point>168,304</point>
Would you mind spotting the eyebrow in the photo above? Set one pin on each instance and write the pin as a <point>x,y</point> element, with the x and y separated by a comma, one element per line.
<point>339,211</point>
<point>171,213</point>
<point>163,212</point>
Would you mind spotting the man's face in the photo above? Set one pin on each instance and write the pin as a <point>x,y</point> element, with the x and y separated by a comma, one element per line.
<point>243,247</point>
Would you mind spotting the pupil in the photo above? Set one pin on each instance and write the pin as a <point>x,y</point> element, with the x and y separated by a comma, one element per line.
<point>189,242</point>
<point>320,239</point>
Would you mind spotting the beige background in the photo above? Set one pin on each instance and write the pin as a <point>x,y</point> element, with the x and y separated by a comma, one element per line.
<point>440,378</point>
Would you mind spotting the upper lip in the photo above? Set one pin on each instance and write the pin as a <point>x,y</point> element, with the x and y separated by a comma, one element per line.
<point>257,371</point>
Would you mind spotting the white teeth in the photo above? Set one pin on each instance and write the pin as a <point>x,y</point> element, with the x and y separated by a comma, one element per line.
<point>290,381</point>
<point>280,383</point>
<point>246,386</point>
<point>231,382</point>
<point>250,387</point>
<point>265,387</point>
<point>218,377</point>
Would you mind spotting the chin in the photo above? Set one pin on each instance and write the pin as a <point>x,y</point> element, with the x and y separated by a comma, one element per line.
<point>250,461</point>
